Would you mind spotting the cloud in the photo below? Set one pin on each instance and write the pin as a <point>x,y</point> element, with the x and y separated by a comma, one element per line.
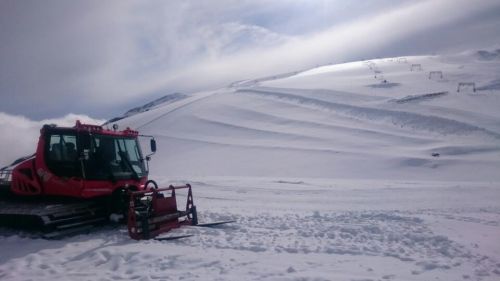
<point>102,57</point>
<point>380,33</point>
<point>19,136</point>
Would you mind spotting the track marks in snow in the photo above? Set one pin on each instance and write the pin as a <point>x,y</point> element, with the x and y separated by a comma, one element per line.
<point>254,145</point>
<point>306,126</point>
<point>402,119</point>
<point>248,131</point>
<point>355,233</point>
<point>390,234</point>
<point>146,118</point>
<point>291,241</point>
<point>465,149</point>
<point>418,98</point>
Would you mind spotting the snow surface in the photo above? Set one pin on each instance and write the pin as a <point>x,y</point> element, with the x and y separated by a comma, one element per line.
<point>358,171</point>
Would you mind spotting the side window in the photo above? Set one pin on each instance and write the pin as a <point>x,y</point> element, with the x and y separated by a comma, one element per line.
<point>55,148</point>
<point>62,148</point>
<point>62,155</point>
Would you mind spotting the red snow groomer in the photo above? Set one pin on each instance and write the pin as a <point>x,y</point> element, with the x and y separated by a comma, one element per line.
<point>81,176</point>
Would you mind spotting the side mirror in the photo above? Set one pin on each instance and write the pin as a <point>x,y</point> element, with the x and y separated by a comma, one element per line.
<point>153,145</point>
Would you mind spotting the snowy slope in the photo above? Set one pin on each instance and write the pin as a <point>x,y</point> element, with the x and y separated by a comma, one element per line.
<point>162,101</point>
<point>339,121</point>
<point>331,173</point>
<point>291,230</point>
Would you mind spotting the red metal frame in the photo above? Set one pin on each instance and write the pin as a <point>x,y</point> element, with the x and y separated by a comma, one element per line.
<point>163,214</point>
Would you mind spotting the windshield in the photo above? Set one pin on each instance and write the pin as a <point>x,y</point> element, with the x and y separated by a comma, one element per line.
<point>114,157</point>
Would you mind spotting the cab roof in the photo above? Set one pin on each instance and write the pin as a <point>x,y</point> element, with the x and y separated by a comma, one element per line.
<point>96,129</point>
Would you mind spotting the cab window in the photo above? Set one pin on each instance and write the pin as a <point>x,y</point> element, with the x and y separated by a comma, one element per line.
<point>62,155</point>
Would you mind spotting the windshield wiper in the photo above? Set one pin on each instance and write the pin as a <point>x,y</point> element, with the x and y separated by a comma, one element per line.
<point>124,157</point>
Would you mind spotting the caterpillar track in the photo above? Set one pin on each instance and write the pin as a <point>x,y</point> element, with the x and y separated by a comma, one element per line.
<point>51,217</point>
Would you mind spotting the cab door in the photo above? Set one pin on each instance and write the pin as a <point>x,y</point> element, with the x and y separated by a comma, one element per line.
<point>64,175</point>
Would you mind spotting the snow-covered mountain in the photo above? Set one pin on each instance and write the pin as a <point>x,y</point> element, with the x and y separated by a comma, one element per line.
<point>166,99</point>
<point>386,169</point>
<point>420,117</point>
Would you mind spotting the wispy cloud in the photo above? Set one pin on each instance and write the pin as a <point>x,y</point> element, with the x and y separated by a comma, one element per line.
<point>368,36</point>
<point>100,57</point>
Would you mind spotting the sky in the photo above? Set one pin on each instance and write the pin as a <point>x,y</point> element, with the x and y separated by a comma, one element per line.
<point>100,58</point>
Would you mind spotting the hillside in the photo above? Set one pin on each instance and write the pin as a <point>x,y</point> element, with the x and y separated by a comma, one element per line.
<point>382,118</point>
<point>374,170</point>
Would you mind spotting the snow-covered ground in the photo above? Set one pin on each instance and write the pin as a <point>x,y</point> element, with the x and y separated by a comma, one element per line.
<point>361,171</point>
